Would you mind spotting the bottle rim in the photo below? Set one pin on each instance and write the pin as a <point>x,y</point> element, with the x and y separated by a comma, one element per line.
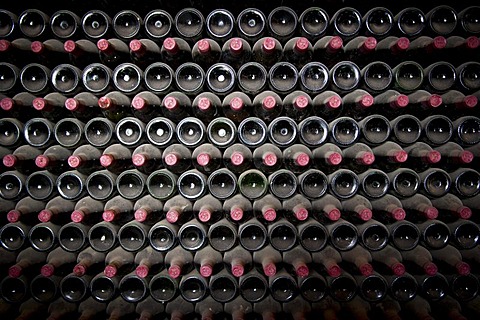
<point>282,224</point>
<point>106,124</point>
<point>283,173</point>
<point>355,69</point>
<point>161,173</point>
<point>252,223</point>
<point>430,69</point>
<point>368,15</point>
<point>459,126</point>
<point>90,14</point>
<point>190,11</point>
<point>122,68</point>
<point>313,224</point>
<point>46,75</point>
<point>149,128</point>
<point>47,226</point>
<point>467,172</point>
<point>44,284</point>
<point>70,123</point>
<point>462,21</point>
<point>461,70</point>
<point>322,12</point>
<point>224,13</point>
<point>201,283</point>
<point>76,227</point>
<point>307,121</point>
<point>78,177</point>
<point>258,14</point>
<point>135,296</point>
<point>366,133</point>
<point>92,67</point>
<point>260,124</point>
<point>228,176</point>
<point>72,16</point>
<point>436,224</point>
<point>188,121</point>
<point>458,228</point>
<point>426,177</point>
<point>104,280</point>
<point>353,284</point>
<point>201,178</point>
<point>293,80</point>
<point>333,127</point>
<point>259,278</point>
<point>258,193</point>
<point>105,227</point>
<point>400,16</point>
<point>37,12</point>
<point>278,10</point>
<point>131,174</point>
<point>179,77</point>
<point>162,225</point>
<point>13,19</point>
<point>109,177</point>
<point>379,173</point>
<point>225,246</point>
<point>151,15</point>
<point>221,277</point>
<point>50,179</point>
<point>405,278</point>
<point>18,127</point>
<point>133,15</point>
<point>227,70</point>
<point>396,74</point>
<point>304,71</point>
<point>15,73</point>
<point>381,281</point>
<point>229,124</point>
<point>305,282</point>
<point>436,10</point>
<point>275,122</point>
<point>365,72</point>
<point>128,122</point>
<point>358,17</point>
<point>396,130</point>
<point>81,283</point>
<point>471,280</point>
<point>257,87</point>
<point>21,233</point>
<point>379,246</point>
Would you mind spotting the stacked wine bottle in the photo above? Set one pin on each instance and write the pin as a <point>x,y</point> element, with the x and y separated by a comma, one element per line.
<point>281,164</point>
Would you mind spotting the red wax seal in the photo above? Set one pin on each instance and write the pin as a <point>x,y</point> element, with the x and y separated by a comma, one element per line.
<point>431,213</point>
<point>236,214</point>
<point>141,215</point>
<point>398,214</point>
<point>402,101</point>
<point>269,159</point>
<point>47,270</point>
<point>77,216</point>
<point>174,271</point>
<point>37,46</point>
<point>69,46</point>
<point>334,271</point>
<point>171,159</point>
<point>301,214</point>
<point>398,269</point>
<point>301,44</point>
<point>270,270</point>
<point>204,215</point>
<point>269,103</point>
<point>172,216</point>
<point>463,268</point>
<point>39,104</point>
<point>138,103</point>
<point>268,44</point>
<point>302,159</point>
<point>365,214</point>
<point>403,43</point>
<point>170,44</point>
<point>71,104</point>
<point>14,271</point>
<point>366,269</point>
<point>237,158</point>
<point>45,215</point>
<point>236,45</point>
<point>334,214</point>
<point>170,103</point>
<point>105,103</point>
<point>400,156</point>
<point>466,156</point>
<point>103,45</point>
<point>335,158</point>
<point>430,268</point>
<point>236,104</point>
<point>142,271</point>
<point>203,46</point>
<point>79,270</point>
<point>368,158</point>
<point>302,271</point>
<point>270,214</point>
<point>139,160</point>
<point>465,213</point>
<point>334,102</point>
<point>237,270</point>
<point>434,156</point>
<point>435,100</point>
<point>9,160</point>
<point>108,215</point>
<point>110,271</point>
<point>206,270</point>
<point>203,159</point>
<point>335,43</point>
<point>439,42</point>
<point>13,216</point>
<point>106,160</point>
<point>370,43</point>
<point>6,104</point>
<point>204,104</point>
<point>366,101</point>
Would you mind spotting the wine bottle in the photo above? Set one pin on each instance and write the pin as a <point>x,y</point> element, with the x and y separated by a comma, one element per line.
<point>451,208</point>
<point>209,307</point>
<point>238,308</point>
<point>298,51</point>
<point>266,208</point>
<point>178,261</point>
<point>119,307</point>
<point>328,49</point>
<point>282,23</point>
<point>118,209</point>
<point>143,52</point>
<point>116,158</point>
<point>297,207</point>
<point>283,183</point>
<point>149,308</point>
<point>298,258</point>
<point>450,258</point>
<point>88,262</point>
<point>267,51</point>
<point>132,236</point>
<point>207,261</point>
<point>81,52</point>
<point>267,259</point>
<point>421,156</point>
<point>206,106</point>
<point>327,157</point>
<point>162,235</point>
<point>391,258</point>
<point>206,52</point>
<point>146,105</point>
<point>148,261</point>
<point>118,262</point>
<point>61,308</point>
<point>252,234</point>
<point>360,49</point>
<point>435,234</point>
<point>251,24</point>
<point>113,51</point>
<point>388,208</point>
<point>103,236</point>
<point>115,105</point>
<point>239,260</point>
<point>58,262</point>
<point>178,210</point>
<point>464,182</point>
